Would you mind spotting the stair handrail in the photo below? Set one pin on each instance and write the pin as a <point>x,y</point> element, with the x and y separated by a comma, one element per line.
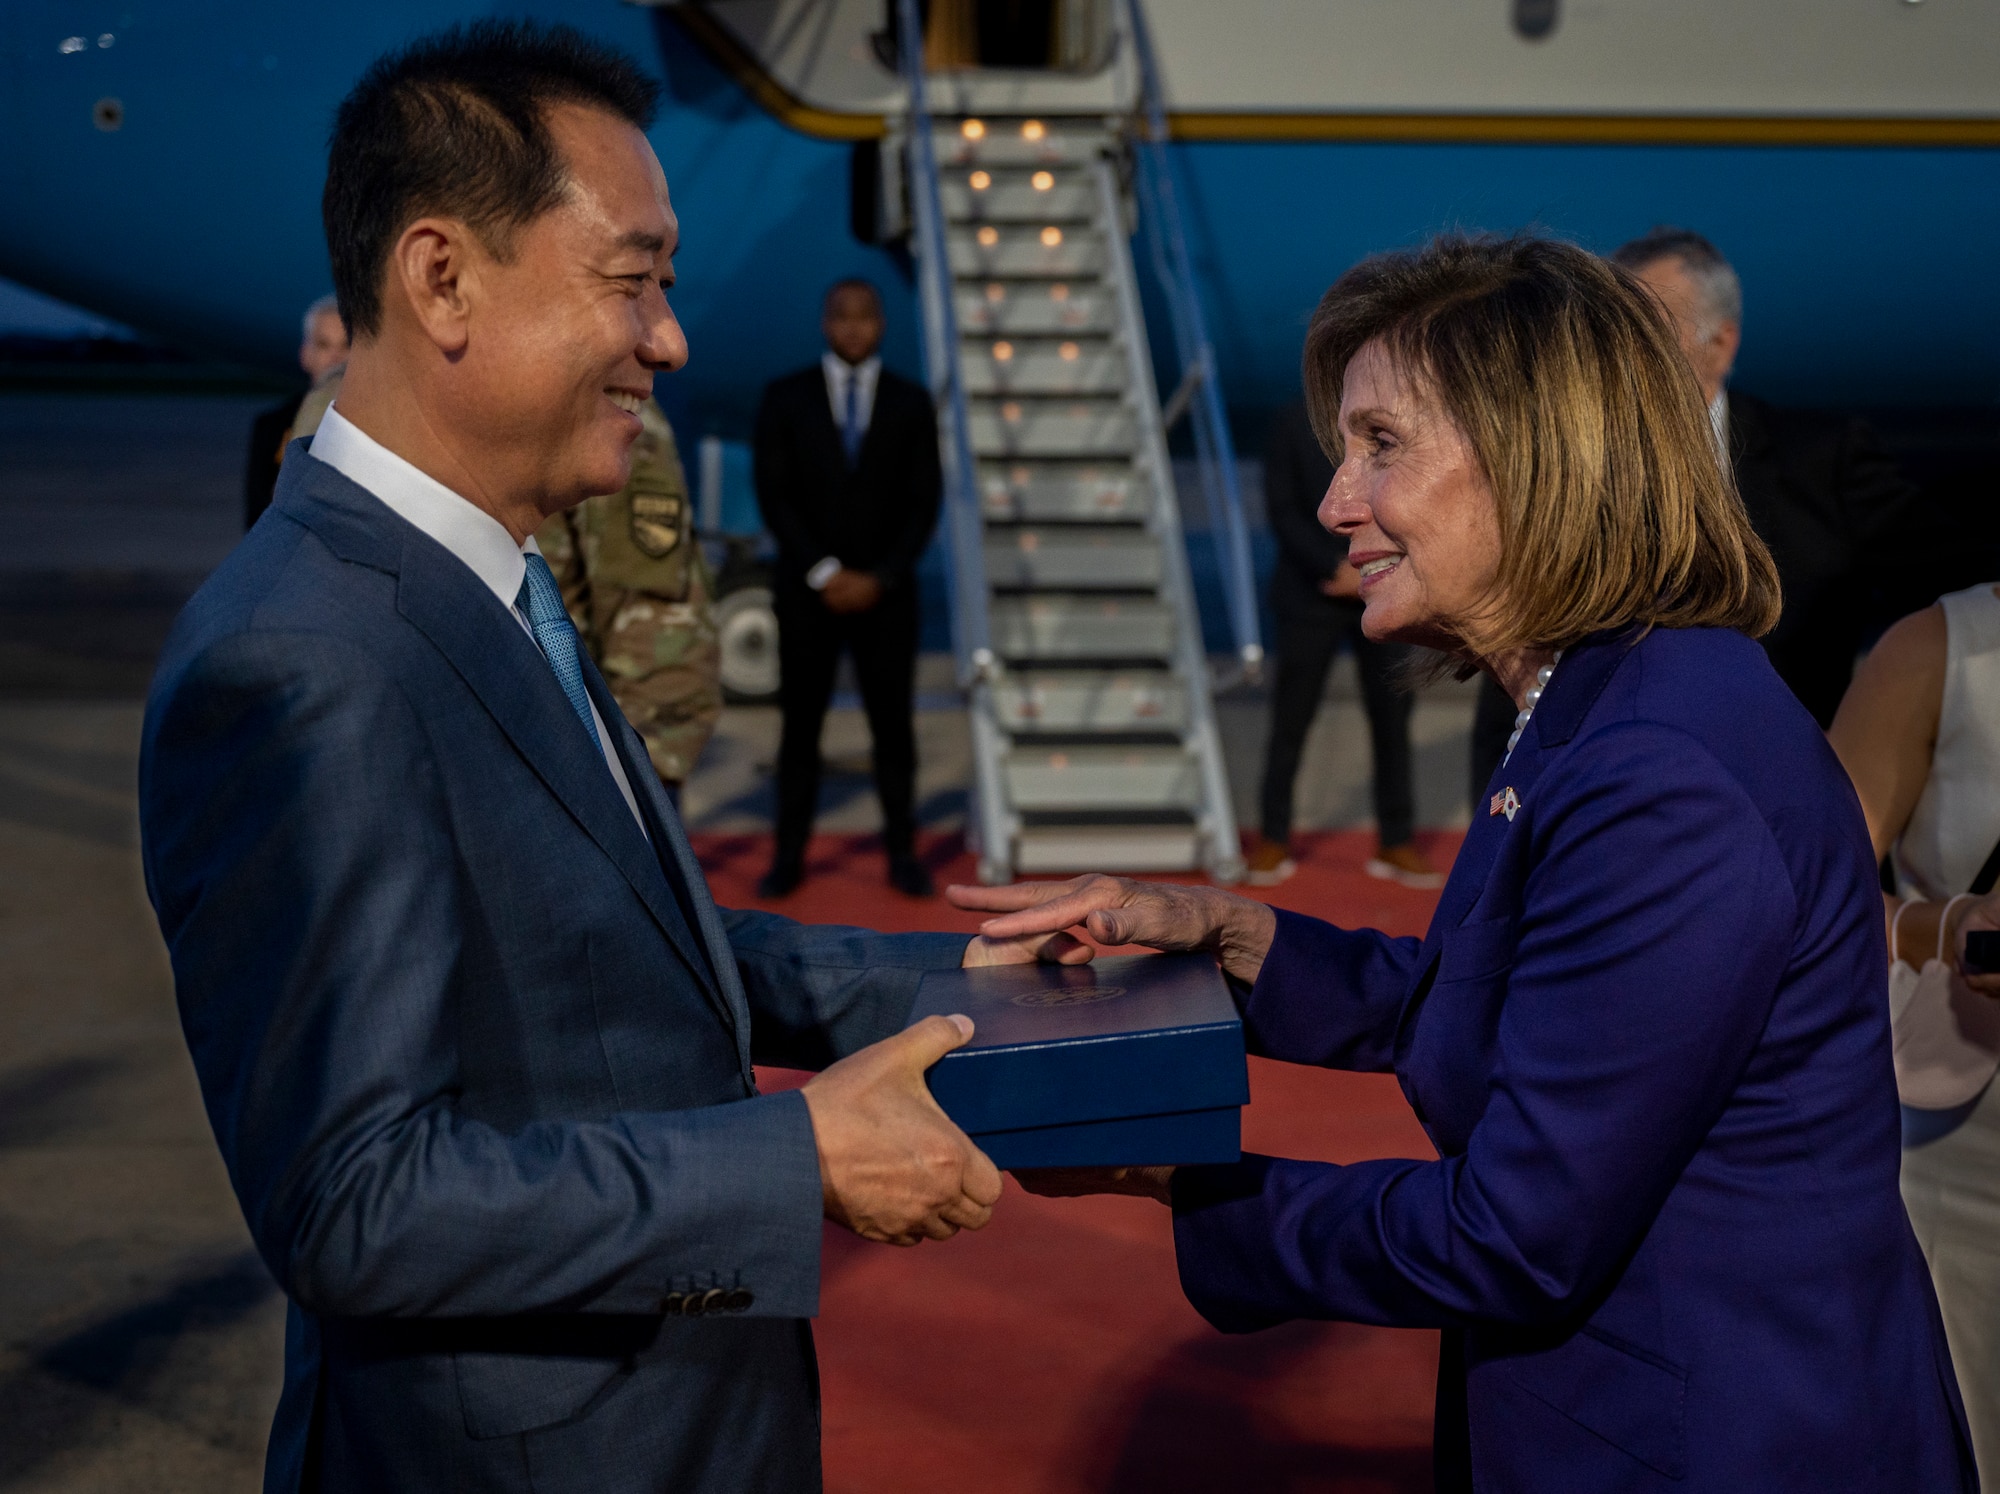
<point>1199,390</point>
<point>971,642</point>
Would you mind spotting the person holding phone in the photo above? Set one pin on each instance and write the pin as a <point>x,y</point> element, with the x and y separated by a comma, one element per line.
<point>1919,733</point>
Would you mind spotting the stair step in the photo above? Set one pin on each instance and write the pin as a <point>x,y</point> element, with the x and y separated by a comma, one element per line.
<point>1083,558</point>
<point>1090,700</point>
<point>1058,492</point>
<point>1051,252</point>
<point>1029,427</point>
<point>1106,848</point>
<point>1057,628</point>
<point>1035,308</point>
<point>1109,757</point>
<point>1043,365</point>
<point>1016,142</point>
<point>1108,779</point>
<point>1017,195</point>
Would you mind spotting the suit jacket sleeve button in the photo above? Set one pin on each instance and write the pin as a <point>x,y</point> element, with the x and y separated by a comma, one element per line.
<point>713,1299</point>
<point>739,1300</point>
<point>672,1304</point>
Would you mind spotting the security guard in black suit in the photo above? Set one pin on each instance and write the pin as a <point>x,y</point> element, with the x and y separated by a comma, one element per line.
<point>848,481</point>
<point>1820,490</point>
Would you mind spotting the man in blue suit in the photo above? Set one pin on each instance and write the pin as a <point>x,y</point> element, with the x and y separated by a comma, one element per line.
<point>474,1040</point>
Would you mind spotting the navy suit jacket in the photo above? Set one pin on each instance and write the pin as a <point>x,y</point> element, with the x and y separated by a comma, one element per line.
<point>476,1051</point>
<point>1648,1034</point>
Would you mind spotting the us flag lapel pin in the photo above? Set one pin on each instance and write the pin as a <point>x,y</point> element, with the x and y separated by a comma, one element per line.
<point>1505,802</point>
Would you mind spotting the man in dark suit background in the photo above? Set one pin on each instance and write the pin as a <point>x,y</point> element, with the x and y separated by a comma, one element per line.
<point>1316,597</point>
<point>322,353</point>
<point>848,482</point>
<point>475,1042</point>
<point>1821,491</point>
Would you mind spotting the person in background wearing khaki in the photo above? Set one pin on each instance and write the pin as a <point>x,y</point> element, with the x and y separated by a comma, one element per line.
<point>639,592</point>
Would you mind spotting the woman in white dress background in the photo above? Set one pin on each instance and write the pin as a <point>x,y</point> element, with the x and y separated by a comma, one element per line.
<point>1919,732</point>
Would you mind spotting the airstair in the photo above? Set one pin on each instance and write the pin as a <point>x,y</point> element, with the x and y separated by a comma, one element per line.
<point>1079,645</point>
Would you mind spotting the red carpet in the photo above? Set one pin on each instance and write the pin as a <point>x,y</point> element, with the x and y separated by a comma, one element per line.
<point>1053,1351</point>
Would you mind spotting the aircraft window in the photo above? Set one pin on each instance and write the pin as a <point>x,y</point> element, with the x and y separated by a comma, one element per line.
<point>1535,19</point>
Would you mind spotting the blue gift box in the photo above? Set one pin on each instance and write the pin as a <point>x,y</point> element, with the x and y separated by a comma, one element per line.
<point>1127,1062</point>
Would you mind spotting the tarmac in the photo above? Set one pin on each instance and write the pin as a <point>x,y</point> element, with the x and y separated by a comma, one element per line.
<point>140,1337</point>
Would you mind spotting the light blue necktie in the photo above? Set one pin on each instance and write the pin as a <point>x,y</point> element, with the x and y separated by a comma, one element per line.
<point>851,433</point>
<point>540,599</point>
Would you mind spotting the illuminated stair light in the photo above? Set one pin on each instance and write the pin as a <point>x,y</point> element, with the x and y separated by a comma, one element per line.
<point>980,181</point>
<point>988,236</point>
<point>973,129</point>
<point>1033,130</point>
<point>1051,237</point>
<point>1043,180</point>
<point>1003,352</point>
<point>1069,352</point>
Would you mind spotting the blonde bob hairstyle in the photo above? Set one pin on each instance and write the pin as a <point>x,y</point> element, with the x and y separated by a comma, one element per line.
<point>1569,385</point>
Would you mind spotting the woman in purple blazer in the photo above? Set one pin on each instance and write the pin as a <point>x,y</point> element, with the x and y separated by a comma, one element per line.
<point>1648,1030</point>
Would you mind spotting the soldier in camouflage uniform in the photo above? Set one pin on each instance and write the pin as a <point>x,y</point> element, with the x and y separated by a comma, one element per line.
<point>639,593</point>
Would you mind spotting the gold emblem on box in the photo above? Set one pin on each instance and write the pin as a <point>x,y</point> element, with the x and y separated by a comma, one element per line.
<point>1068,996</point>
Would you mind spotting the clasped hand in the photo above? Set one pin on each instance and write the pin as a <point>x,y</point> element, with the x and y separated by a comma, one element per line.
<point>850,591</point>
<point>1117,910</point>
<point>892,1166</point>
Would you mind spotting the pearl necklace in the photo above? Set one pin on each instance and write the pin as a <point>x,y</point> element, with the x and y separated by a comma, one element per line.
<point>1530,701</point>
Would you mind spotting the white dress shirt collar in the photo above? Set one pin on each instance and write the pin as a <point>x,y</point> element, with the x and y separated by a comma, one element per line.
<point>471,535</point>
<point>865,374</point>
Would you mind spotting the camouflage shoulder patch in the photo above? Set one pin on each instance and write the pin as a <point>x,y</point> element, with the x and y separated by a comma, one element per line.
<point>657,521</point>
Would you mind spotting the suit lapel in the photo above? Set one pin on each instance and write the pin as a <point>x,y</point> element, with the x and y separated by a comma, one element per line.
<point>825,429</point>
<point>677,859</point>
<point>1573,690</point>
<point>717,973</point>
<point>882,411</point>
<point>500,663</point>
<point>503,668</point>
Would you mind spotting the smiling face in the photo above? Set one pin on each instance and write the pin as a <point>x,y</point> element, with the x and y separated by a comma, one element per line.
<point>565,335</point>
<point>1419,516</point>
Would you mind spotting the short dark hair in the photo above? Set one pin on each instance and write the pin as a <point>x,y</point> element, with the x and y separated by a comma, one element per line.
<point>1706,265</point>
<point>852,282</point>
<point>456,124</point>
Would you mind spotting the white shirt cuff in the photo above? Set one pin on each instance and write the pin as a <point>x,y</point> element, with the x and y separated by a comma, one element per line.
<point>823,572</point>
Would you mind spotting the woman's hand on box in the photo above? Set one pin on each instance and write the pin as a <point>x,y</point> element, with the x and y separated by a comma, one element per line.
<point>1119,910</point>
